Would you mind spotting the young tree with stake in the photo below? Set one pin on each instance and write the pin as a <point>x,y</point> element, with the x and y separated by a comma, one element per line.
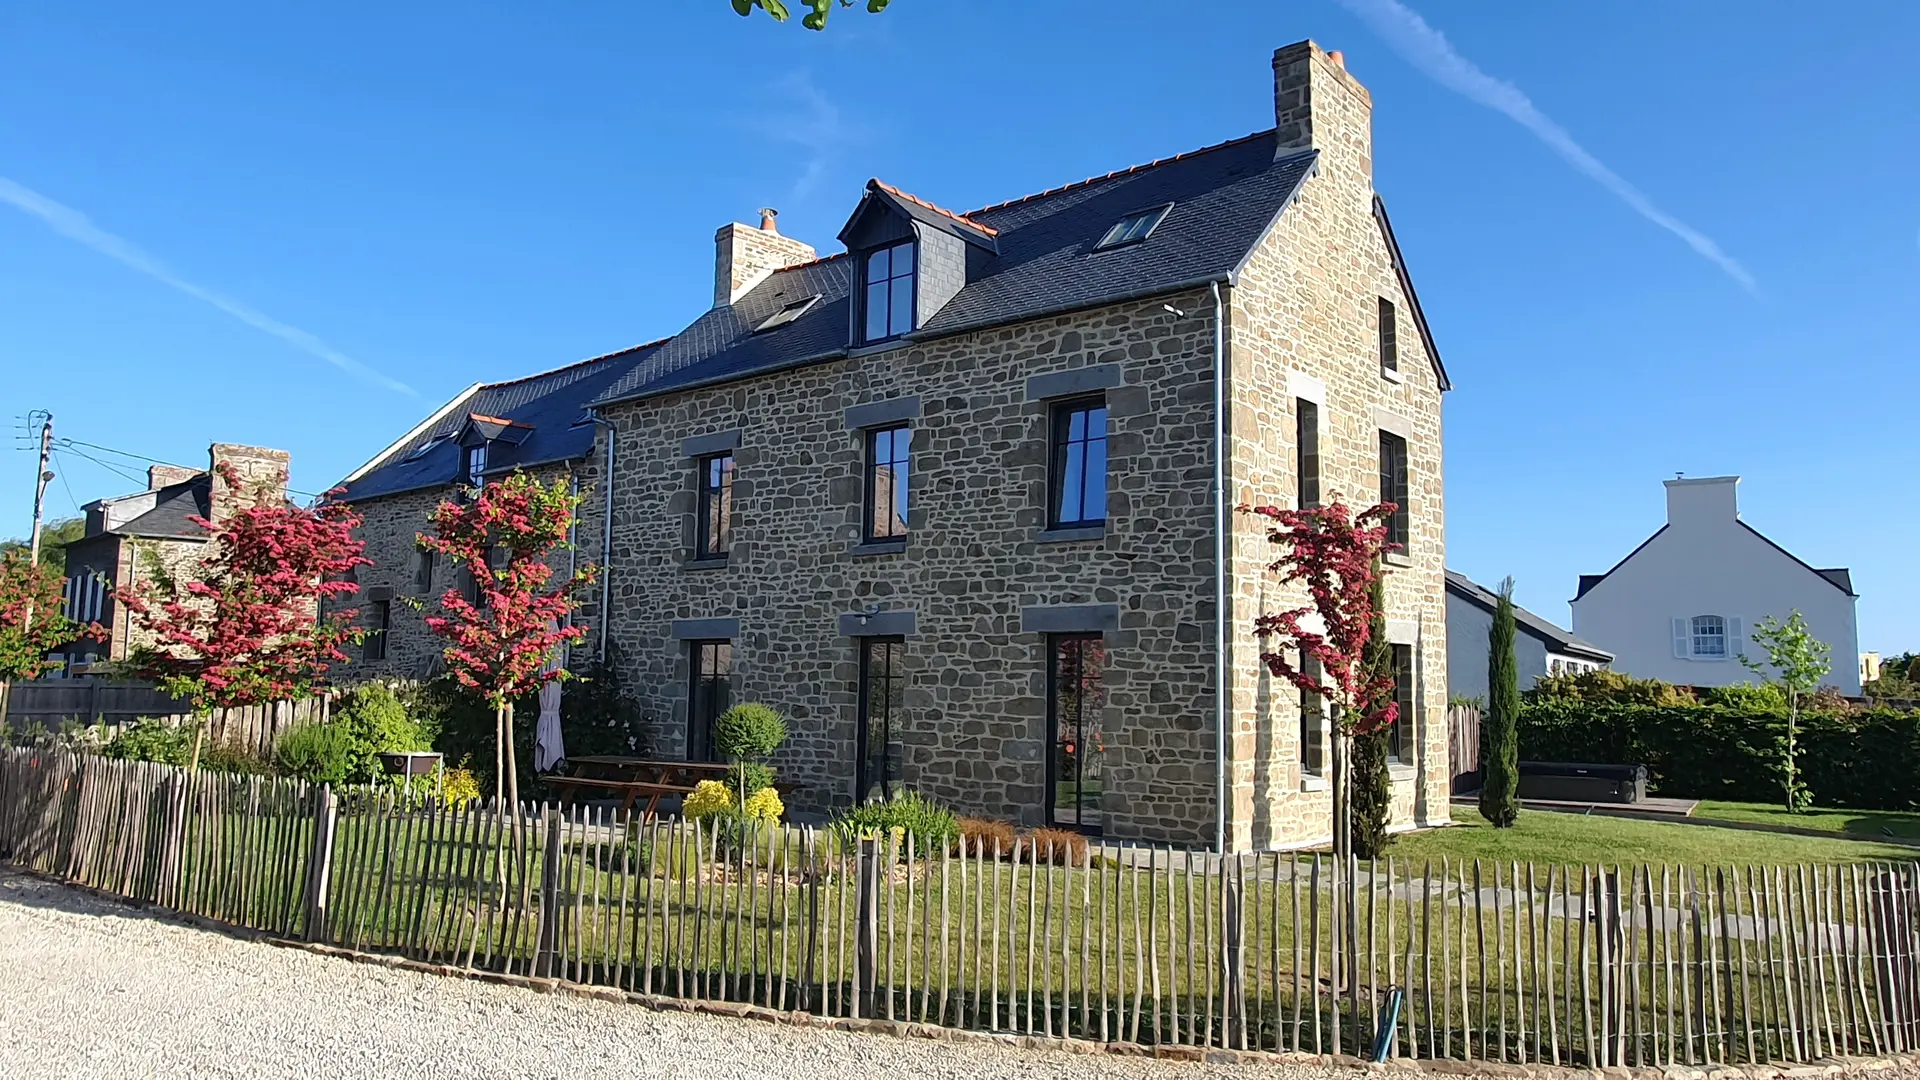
<point>501,645</point>
<point>1799,662</point>
<point>245,628</point>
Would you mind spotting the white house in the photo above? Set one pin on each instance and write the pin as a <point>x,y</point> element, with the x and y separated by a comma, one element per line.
<point>1680,606</point>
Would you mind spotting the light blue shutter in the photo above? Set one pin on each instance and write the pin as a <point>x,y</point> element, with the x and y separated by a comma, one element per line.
<point>1682,639</point>
<point>1736,639</point>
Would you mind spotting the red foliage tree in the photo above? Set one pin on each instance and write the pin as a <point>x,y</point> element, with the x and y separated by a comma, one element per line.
<point>245,628</point>
<point>501,646</point>
<point>33,619</point>
<point>1334,554</point>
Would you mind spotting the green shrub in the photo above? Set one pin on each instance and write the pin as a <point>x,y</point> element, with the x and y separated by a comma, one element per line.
<point>221,757</point>
<point>1861,759</point>
<point>749,776</point>
<point>1611,687</point>
<point>599,712</point>
<point>1747,697</point>
<point>318,754</point>
<point>152,739</point>
<point>375,722</point>
<point>750,731</point>
<point>932,826</point>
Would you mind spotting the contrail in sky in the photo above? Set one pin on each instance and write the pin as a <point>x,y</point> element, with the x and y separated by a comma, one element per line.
<point>76,226</point>
<point>1429,50</point>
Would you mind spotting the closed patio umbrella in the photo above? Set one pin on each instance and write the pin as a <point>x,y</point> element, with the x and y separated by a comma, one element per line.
<point>548,749</point>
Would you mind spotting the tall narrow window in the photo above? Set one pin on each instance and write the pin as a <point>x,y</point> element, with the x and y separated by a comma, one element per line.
<point>1389,337</point>
<point>379,616</point>
<point>476,464</point>
<point>1313,720</point>
<point>1079,481</point>
<point>423,570</point>
<point>1307,451</point>
<point>887,454</point>
<point>883,678</point>
<point>889,298</point>
<point>1076,700</point>
<point>709,693</point>
<point>716,507</point>
<point>1393,486</point>
<point>1400,744</point>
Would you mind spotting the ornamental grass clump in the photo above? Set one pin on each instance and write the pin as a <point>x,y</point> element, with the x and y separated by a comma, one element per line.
<point>932,827</point>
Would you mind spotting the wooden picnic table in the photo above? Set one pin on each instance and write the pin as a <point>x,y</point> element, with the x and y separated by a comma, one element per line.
<point>629,778</point>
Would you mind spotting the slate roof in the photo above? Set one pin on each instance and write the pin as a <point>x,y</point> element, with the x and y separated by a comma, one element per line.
<point>168,518</point>
<point>1557,639</point>
<point>1224,198</point>
<point>552,404</point>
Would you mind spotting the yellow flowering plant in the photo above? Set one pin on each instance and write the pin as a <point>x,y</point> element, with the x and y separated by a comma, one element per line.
<point>709,797</point>
<point>765,807</point>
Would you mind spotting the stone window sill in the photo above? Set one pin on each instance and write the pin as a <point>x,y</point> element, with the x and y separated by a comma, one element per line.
<point>1310,782</point>
<point>1392,376</point>
<point>878,547</point>
<point>1402,774</point>
<point>1068,534</point>
<point>710,563</point>
<point>1397,558</point>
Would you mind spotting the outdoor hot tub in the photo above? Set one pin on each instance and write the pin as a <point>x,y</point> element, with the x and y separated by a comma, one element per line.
<point>1585,782</point>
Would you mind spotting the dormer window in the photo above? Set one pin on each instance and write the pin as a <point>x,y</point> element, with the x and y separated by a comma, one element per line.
<point>476,464</point>
<point>1133,228</point>
<point>889,293</point>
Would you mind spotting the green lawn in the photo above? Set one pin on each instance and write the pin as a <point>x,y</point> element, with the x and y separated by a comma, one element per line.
<point>1546,837</point>
<point>1861,823</point>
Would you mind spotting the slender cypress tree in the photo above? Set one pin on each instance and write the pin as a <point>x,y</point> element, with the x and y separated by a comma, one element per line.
<point>1499,730</point>
<point>1372,783</point>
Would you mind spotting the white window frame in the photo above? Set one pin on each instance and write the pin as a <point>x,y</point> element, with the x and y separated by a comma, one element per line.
<point>1691,631</point>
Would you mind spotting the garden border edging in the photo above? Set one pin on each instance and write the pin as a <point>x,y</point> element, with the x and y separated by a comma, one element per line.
<point>899,1028</point>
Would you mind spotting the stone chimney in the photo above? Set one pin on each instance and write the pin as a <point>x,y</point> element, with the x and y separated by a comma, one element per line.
<point>744,255</point>
<point>1318,104</point>
<point>159,476</point>
<point>257,467</point>
<point>1707,500</point>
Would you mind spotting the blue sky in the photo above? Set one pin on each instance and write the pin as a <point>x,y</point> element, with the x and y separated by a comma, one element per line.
<point>317,227</point>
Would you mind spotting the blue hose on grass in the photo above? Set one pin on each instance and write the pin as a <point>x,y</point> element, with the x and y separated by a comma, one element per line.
<point>1389,1020</point>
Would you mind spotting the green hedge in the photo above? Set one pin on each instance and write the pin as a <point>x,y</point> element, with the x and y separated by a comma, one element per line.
<point>1866,760</point>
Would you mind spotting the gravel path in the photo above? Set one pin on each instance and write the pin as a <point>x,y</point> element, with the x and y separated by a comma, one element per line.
<point>94,989</point>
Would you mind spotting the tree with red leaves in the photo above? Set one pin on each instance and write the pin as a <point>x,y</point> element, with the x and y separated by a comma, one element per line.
<point>245,627</point>
<point>33,619</point>
<point>1335,554</point>
<point>501,646</point>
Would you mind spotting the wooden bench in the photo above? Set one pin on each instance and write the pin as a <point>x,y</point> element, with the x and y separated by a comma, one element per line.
<point>630,778</point>
<point>629,791</point>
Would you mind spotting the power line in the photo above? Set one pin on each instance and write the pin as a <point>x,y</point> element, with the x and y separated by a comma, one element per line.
<point>69,444</point>
<point>107,465</point>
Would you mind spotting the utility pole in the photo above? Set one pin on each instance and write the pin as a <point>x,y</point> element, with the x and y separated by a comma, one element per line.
<point>40,478</point>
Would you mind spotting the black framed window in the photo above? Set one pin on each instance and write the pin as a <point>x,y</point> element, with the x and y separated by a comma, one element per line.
<point>716,507</point>
<point>1393,486</point>
<point>888,451</point>
<point>1079,455</point>
<point>883,681</point>
<point>709,693</point>
<point>1076,704</point>
<point>379,618</point>
<point>423,570</point>
<point>889,295</point>
<point>1400,744</point>
<point>1306,441</point>
<point>1389,337</point>
<point>1313,719</point>
<point>476,464</point>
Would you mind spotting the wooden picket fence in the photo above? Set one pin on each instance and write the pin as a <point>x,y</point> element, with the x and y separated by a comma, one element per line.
<point>113,705</point>
<point>1638,966</point>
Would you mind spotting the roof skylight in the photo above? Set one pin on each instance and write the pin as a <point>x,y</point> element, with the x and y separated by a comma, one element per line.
<point>424,448</point>
<point>787,314</point>
<point>1133,228</point>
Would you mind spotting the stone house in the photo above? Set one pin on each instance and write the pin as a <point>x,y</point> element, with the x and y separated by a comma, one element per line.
<point>539,424</point>
<point>129,538</point>
<point>952,499</point>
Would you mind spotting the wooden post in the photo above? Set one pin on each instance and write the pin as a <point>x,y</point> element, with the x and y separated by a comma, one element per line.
<point>546,962</point>
<point>319,863</point>
<point>867,930</point>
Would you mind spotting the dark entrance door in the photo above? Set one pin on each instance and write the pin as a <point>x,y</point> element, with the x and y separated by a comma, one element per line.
<point>1076,702</point>
<point>883,677</point>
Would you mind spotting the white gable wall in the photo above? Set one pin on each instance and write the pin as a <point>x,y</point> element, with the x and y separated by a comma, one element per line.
<point>1707,563</point>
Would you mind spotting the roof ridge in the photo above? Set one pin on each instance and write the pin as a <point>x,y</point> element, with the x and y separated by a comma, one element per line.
<point>574,364</point>
<point>941,210</point>
<point>1124,172</point>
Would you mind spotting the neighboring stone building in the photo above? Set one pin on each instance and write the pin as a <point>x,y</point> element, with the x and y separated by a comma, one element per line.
<point>948,500</point>
<point>130,538</point>
<point>538,423</point>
